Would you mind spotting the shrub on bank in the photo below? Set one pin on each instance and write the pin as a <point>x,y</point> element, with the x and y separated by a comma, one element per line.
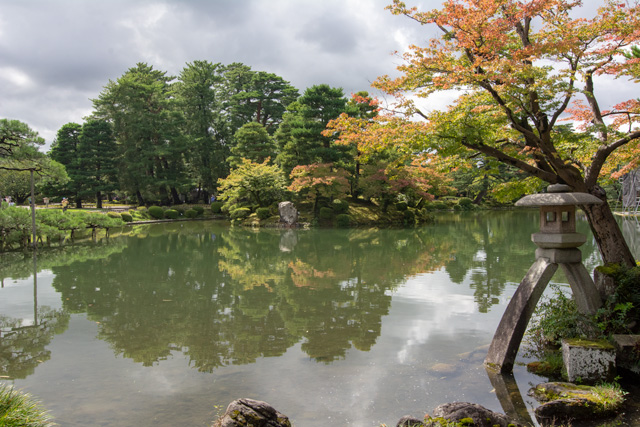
<point>401,206</point>
<point>409,217</point>
<point>240,213</point>
<point>263,213</point>
<point>199,210</point>
<point>340,206</point>
<point>343,220</point>
<point>216,207</point>
<point>190,213</point>
<point>465,204</point>
<point>325,213</point>
<point>126,217</point>
<point>439,206</point>
<point>171,214</point>
<point>156,212</point>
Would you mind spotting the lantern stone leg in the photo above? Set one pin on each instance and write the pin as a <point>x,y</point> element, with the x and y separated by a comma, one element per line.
<point>557,244</point>
<point>506,341</point>
<point>585,292</point>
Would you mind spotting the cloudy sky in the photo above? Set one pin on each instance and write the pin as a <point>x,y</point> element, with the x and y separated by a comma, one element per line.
<point>56,55</point>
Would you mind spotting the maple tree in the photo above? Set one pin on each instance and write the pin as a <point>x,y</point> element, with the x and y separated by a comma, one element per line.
<point>521,67</point>
<point>319,180</point>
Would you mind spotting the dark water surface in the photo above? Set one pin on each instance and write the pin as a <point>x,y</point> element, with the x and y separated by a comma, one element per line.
<point>164,325</point>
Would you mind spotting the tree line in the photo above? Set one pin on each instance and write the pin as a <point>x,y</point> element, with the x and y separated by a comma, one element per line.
<point>521,68</point>
<point>159,139</point>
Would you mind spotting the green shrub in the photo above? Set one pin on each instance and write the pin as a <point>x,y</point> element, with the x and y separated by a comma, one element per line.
<point>409,217</point>
<point>190,213</point>
<point>180,209</point>
<point>423,215</point>
<point>171,214</point>
<point>114,214</point>
<point>621,309</point>
<point>340,206</point>
<point>216,207</point>
<point>439,206</point>
<point>325,213</point>
<point>555,318</point>
<point>465,204</point>
<point>199,209</point>
<point>240,213</point>
<point>126,217</point>
<point>263,213</point>
<point>19,409</point>
<point>343,220</point>
<point>156,212</point>
<point>401,206</point>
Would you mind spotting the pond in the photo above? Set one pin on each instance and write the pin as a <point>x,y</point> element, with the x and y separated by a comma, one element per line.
<point>165,324</point>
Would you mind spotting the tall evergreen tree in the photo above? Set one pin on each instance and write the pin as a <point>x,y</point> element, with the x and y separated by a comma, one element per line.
<point>300,138</point>
<point>147,127</point>
<point>97,158</point>
<point>64,150</point>
<point>200,94</point>
<point>259,97</point>
<point>253,142</point>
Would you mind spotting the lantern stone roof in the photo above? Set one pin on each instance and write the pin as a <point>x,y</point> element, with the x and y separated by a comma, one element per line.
<point>557,195</point>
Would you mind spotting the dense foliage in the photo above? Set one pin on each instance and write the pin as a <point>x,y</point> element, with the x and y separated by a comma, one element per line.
<point>51,225</point>
<point>518,68</point>
<point>157,139</point>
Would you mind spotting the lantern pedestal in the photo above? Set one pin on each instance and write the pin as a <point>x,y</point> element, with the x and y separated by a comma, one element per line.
<point>558,245</point>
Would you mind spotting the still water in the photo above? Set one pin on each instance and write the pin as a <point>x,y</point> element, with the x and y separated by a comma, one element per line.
<point>164,325</point>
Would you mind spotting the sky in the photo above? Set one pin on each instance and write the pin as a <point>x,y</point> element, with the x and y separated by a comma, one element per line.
<point>57,55</point>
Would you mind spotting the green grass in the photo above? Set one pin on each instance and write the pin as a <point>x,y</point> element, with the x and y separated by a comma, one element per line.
<point>19,409</point>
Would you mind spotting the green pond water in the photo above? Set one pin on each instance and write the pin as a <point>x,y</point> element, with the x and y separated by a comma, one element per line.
<point>165,324</point>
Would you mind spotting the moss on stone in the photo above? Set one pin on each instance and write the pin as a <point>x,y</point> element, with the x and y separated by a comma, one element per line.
<point>580,342</point>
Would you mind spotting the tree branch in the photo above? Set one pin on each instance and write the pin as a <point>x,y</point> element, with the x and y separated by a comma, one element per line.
<point>601,155</point>
<point>512,161</point>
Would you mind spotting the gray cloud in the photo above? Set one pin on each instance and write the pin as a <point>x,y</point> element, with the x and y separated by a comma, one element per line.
<point>57,55</point>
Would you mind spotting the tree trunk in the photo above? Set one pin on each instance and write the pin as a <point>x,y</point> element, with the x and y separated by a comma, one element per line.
<point>611,243</point>
<point>175,196</point>
<point>98,200</point>
<point>478,199</point>
<point>140,198</point>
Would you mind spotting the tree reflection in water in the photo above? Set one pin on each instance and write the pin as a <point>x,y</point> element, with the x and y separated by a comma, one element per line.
<point>230,295</point>
<point>212,296</point>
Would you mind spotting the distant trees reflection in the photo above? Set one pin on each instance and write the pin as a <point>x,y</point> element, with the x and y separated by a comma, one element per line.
<point>23,347</point>
<point>225,296</point>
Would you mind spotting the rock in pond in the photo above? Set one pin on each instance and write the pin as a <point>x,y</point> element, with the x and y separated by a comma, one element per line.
<point>288,213</point>
<point>409,421</point>
<point>470,414</point>
<point>567,401</point>
<point>251,413</point>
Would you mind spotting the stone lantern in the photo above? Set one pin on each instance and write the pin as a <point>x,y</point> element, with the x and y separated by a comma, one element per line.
<point>558,244</point>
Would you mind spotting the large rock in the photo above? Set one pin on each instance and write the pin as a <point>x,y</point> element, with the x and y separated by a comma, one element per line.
<point>251,413</point>
<point>288,213</point>
<point>409,421</point>
<point>567,401</point>
<point>481,416</point>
